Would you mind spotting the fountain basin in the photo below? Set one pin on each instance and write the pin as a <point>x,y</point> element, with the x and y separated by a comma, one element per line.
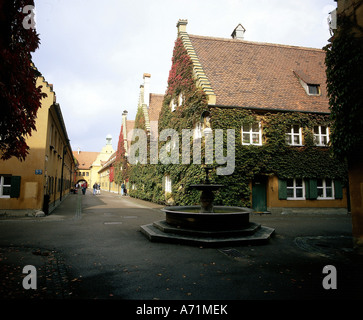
<point>206,224</point>
<point>223,218</point>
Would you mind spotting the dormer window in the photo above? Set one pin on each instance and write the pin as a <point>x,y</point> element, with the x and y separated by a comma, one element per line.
<point>313,89</point>
<point>309,83</point>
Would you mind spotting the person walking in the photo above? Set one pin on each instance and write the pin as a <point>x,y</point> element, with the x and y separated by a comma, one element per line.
<point>94,188</point>
<point>98,187</point>
<point>122,189</point>
<point>84,187</point>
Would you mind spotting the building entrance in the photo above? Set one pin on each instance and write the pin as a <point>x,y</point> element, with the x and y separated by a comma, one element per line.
<point>259,199</point>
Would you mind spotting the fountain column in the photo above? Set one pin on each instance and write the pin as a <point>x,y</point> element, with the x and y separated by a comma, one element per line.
<point>207,195</point>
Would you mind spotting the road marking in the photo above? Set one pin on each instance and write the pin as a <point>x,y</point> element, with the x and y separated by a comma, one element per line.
<point>113,222</point>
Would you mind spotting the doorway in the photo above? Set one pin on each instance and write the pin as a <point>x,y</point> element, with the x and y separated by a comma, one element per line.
<point>259,198</point>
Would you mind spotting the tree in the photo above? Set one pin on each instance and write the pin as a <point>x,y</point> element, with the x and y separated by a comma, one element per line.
<point>19,95</point>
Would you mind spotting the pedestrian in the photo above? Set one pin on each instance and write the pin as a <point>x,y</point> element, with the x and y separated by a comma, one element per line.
<point>84,188</point>
<point>94,188</point>
<point>98,188</point>
<point>122,189</point>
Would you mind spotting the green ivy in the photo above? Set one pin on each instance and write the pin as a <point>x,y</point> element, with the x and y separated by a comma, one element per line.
<point>344,62</point>
<point>275,157</point>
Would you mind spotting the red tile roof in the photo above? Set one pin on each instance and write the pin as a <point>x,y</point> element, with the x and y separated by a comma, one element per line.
<point>129,126</point>
<point>261,75</point>
<point>85,158</point>
<point>156,102</point>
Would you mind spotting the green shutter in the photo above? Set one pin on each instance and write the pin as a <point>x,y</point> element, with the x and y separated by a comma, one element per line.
<point>338,189</point>
<point>15,187</point>
<point>311,189</point>
<point>163,184</point>
<point>282,189</point>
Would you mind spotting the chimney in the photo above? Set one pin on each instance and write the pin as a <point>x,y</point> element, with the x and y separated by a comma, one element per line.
<point>109,139</point>
<point>182,25</point>
<point>124,128</point>
<point>238,32</point>
<point>124,118</point>
<point>146,88</point>
<point>78,150</point>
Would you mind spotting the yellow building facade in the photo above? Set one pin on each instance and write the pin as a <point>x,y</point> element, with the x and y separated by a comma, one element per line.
<point>106,176</point>
<point>40,182</point>
<point>84,163</point>
<point>101,158</point>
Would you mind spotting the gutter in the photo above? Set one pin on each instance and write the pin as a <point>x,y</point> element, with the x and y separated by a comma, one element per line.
<point>265,109</point>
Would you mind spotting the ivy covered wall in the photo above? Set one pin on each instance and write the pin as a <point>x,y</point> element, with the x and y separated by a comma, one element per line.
<point>273,157</point>
<point>344,61</point>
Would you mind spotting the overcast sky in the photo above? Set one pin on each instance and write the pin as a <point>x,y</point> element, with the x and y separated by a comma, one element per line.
<point>96,52</point>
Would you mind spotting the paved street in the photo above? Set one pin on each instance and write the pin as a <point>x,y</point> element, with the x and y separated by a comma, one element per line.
<point>91,247</point>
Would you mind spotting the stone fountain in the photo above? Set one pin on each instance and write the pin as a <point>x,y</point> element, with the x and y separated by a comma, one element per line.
<point>207,224</point>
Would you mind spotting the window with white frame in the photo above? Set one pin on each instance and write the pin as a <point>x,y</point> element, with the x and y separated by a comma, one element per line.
<point>252,133</point>
<point>168,146</point>
<point>295,189</point>
<point>167,184</point>
<point>325,188</point>
<point>321,135</point>
<point>180,99</point>
<point>172,105</point>
<point>197,131</point>
<point>5,186</point>
<point>294,135</point>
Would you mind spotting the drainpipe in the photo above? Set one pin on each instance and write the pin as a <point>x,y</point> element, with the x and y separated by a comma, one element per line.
<point>61,186</point>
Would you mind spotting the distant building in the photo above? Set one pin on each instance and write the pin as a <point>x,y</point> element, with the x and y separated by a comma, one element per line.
<point>46,176</point>
<point>85,160</point>
<point>89,163</point>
